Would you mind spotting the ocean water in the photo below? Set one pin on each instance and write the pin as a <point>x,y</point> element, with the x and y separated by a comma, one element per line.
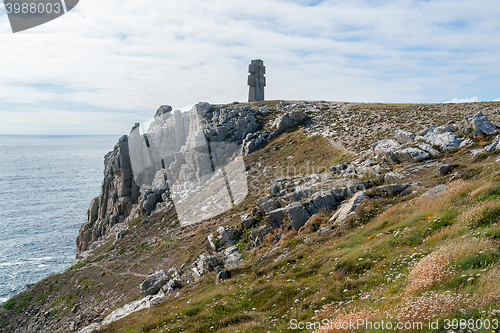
<point>46,184</point>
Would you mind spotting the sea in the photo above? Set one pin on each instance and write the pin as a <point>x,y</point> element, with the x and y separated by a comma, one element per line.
<point>46,185</point>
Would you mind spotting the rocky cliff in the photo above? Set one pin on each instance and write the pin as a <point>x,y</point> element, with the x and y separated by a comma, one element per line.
<point>118,195</point>
<point>178,148</point>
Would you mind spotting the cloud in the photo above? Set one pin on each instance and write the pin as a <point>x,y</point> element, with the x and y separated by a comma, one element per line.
<point>464,100</point>
<point>496,100</point>
<point>128,57</point>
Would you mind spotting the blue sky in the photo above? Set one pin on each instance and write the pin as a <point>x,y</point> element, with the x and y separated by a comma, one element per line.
<point>108,64</point>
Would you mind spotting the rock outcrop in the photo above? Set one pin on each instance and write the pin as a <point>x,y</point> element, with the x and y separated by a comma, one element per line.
<point>479,125</point>
<point>153,283</point>
<point>349,207</point>
<point>118,194</point>
<point>148,172</point>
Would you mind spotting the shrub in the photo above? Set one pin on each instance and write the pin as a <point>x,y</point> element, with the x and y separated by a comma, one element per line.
<point>288,236</point>
<point>314,223</point>
<point>270,238</point>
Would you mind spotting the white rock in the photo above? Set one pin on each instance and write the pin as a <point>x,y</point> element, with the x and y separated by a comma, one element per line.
<point>480,122</point>
<point>466,143</point>
<point>410,155</point>
<point>402,136</point>
<point>349,207</point>
<point>435,191</point>
<point>428,148</point>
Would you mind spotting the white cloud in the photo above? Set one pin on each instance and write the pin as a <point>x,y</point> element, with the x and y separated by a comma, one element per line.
<point>132,56</point>
<point>496,100</point>
<point>464,100</point>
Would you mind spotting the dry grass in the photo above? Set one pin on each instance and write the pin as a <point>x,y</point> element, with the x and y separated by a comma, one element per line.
<point>288,236</point>
<point>475,215</point>
<point>456,188</point>
<point>431,305</point>
<point>271,239</point>
<point>435,267</point>
<point>344,319</point>
<point>432,269</point>
<point>479,190</point>
<point>393,212</point>
<point>489,284</point>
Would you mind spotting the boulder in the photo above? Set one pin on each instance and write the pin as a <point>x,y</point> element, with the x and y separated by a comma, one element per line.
<point>263,200</point>
<point>428,148</point>
<point>382,150</point>
<point>324,231</point>
<point>341,214</point>
<point>323,200</point>
<point>223,276</point>
<point>172,286</point>
<point>257,237</point>
<point>495,145</point>
<point>393,176</point>
<point>173,272</point>
<point>231,257</point>
<point>254,142</point>
<point>159,185</point>
<point>148,202</point>
<point>270,205</point>
<point>273,190</point>
<point>297,214</point>
<point>435,130</point>
<point>93,211</point>
<point>340,194</point>
<point>479,122</point>
<point>402,136</point>
<point>286,121</point>
<point>276,217</point>
<point>435,191</point>
<point>442,136</point>
<point>153,283</point>
<point>466,143</point>
<point>248,221</point>
<point>410,155</point>
<point>443,170</point>
<point>226,236</point>
<point>204,263</point>
<point>406,192</point>
<point>390,189</point>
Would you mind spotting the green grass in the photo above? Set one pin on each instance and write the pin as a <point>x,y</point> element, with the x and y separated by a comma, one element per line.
<point>80,265</point>
<point>20,302</point>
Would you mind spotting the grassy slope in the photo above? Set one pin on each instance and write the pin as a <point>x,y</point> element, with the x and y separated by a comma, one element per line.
<point>372,254</point>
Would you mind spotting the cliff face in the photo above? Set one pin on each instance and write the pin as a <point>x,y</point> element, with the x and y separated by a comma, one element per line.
<point>148,172</point>
<point>118,194</point>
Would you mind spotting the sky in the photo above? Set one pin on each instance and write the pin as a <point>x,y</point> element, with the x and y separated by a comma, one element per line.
<point>106,65</point>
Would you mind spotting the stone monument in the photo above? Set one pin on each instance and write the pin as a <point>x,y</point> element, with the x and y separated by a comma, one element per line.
<point>256,80</point>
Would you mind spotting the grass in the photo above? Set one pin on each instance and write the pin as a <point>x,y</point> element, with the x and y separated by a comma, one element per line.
<point>322,273</point>
<point>19,302</point>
